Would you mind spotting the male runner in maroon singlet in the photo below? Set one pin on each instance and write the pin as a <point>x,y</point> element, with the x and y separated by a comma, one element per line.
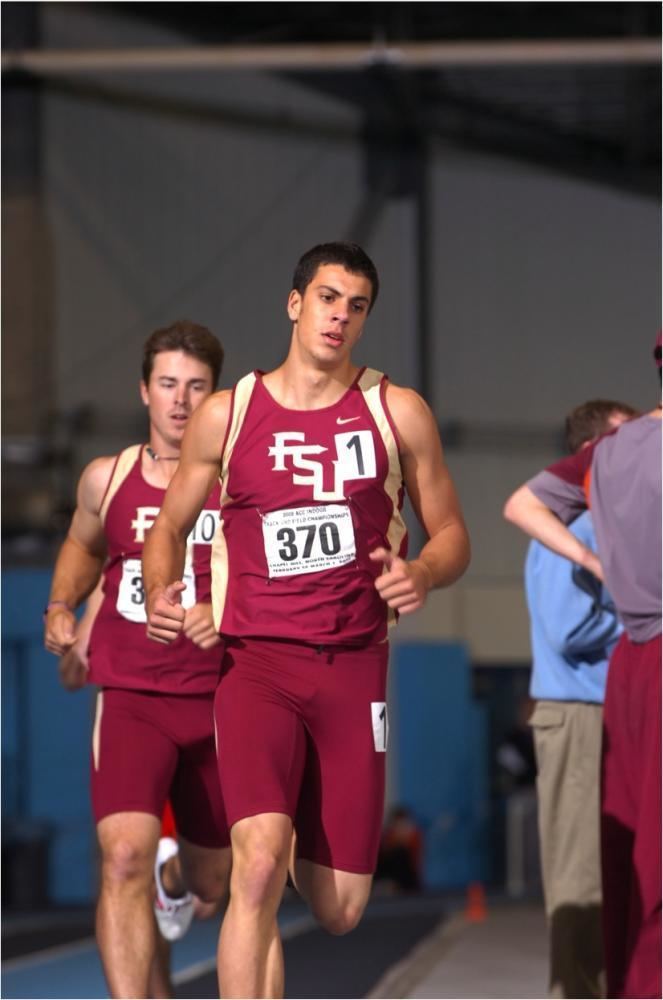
<point>308,569</point>
<point>154,734</point>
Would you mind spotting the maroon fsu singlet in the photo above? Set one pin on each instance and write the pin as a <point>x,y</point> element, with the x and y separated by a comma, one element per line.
<point>121,655</point>
<point>307,495</point>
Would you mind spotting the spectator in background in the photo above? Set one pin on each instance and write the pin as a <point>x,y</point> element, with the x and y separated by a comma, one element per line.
<point>620,476</point>
<point>574,628</point>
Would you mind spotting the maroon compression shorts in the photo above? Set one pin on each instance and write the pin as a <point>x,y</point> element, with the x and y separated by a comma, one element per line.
<point>148,747</point>
<point>302,730</point>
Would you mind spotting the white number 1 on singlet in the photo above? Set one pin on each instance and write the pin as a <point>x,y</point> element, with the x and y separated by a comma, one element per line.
<point>355,456</point>
<point>380,725</point>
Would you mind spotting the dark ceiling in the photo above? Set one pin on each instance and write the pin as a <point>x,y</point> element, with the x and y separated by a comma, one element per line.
<point>221,23</point>
<point>602,122</point>
<point>599,121</point>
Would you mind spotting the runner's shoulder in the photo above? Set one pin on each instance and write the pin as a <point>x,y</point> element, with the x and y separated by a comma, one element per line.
<point>216,408</point>
<point>410,412</point>
<point>94,481</point>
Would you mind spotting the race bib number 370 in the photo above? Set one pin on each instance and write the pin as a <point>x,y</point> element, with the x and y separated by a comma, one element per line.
<point>308,539</point>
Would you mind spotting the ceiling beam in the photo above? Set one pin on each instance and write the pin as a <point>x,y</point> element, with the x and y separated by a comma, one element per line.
<point>348,56</point>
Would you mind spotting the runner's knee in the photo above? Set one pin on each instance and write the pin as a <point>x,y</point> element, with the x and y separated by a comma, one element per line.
<point>258,873</point>
<point>126,861</point>
<point>340,920</point>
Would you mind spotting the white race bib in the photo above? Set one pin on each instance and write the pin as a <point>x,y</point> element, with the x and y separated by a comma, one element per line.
<point>308,539</point>
<point>131,595</point>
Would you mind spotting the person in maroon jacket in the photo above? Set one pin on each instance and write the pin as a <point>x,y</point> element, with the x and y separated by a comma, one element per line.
<point>619,478</point>
<point>309,569</point>
<point>154,731</point>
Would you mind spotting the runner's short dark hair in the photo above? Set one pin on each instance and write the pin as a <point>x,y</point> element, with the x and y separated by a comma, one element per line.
<point>191,338</point>
<point>347,255</point>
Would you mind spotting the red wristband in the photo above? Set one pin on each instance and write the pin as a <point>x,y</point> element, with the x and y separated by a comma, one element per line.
<point>56,604</point>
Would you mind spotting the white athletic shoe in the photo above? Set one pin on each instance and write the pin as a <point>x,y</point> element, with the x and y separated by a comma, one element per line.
<point>173,915</point>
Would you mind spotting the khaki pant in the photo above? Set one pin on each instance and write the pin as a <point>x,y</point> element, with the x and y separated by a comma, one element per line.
<point>567,738</point>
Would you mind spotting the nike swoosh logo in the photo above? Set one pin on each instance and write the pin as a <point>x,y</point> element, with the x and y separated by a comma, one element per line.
<point>345,420</point>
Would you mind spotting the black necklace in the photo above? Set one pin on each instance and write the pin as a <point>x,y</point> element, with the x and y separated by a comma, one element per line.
<point>160,458</point>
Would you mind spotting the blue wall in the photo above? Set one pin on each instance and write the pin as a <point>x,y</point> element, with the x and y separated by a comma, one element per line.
<point>441,747</point>
<point>45,744</point>
<point>442,763</point>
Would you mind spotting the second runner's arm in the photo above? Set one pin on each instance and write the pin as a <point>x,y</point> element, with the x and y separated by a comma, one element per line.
<point>80,560</point>
<point>73,667</point>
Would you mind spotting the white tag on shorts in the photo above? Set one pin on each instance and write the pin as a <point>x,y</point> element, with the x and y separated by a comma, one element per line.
<point>308,539</point>
<point>131,595</point>
<point>380,725</point>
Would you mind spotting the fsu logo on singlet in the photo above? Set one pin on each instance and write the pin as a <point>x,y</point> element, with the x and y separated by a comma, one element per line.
<point>355,459</point>
<point>311,539</point>
<point>145,518</point>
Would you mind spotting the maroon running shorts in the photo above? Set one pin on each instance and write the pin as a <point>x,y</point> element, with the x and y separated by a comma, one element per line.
<point>631,819</point>
<point>302,730</point>
<point>148,747</point>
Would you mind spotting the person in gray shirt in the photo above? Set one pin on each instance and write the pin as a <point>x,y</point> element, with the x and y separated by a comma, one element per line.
<point>619,478</point>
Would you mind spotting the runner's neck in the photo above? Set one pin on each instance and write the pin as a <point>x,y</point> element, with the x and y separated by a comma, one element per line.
<point>158,470</point>
<point>297,389</point>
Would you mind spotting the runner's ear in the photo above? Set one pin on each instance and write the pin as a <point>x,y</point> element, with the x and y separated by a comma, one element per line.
<point>294,305</point>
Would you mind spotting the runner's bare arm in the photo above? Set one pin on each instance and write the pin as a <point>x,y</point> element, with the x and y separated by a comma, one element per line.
<point>444,558</point>
<point>73,665</point>
<point>80,560</point>
<point>527,512</point>
<point>165,547</point>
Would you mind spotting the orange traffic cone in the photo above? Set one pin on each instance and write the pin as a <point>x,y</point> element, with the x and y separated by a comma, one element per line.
<point>475,907</point>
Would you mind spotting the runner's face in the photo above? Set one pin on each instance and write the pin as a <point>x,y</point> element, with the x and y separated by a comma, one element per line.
<point>178,385</point>
<point>330,315</point>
